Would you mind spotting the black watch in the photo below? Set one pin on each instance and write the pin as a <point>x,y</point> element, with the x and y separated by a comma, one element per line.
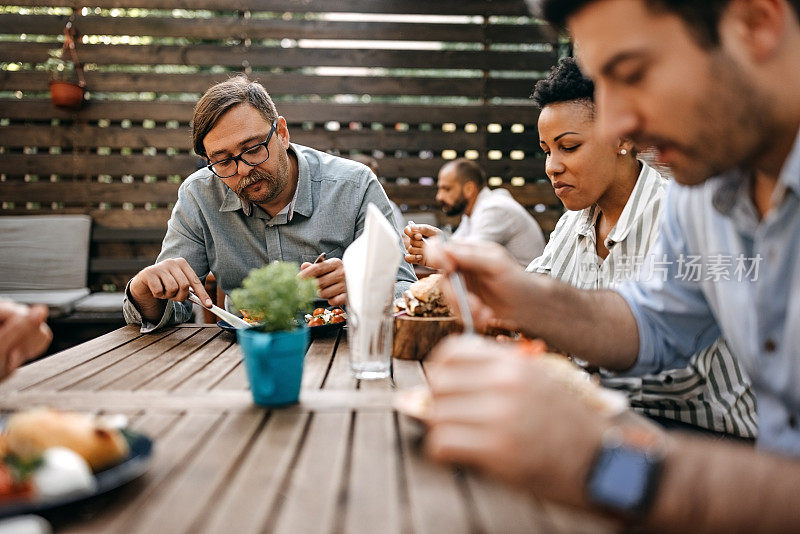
<point>626,471</point>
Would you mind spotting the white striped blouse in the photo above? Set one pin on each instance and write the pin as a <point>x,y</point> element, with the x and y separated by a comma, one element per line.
<point>712,392</point>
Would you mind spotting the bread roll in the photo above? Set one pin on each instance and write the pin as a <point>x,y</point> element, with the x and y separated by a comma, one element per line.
<point>29,433</point>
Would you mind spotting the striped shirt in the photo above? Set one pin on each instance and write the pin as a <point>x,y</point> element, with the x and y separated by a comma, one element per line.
<point>712,392</point>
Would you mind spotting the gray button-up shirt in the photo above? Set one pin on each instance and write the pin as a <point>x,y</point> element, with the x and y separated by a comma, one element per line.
<point>215,231</point>
<point>746,287</point>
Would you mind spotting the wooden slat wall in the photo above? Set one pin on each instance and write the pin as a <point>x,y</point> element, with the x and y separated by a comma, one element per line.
<point>413,83</point>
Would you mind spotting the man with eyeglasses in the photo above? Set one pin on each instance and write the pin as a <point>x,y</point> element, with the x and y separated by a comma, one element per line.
<point>259,199</point>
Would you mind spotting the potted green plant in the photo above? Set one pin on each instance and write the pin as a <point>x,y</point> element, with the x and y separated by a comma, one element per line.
<point>67,83</point>
<point>274,350</point>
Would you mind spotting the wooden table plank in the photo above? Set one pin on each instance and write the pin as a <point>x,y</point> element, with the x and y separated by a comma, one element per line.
<point>194,488</point>
<point>501,509</point>
<point>373,492</point>
<point>235,380</point>
<point>311,495</point>
<point>245,502</point>
<point>154,367</point>
<point>68,377</point>
<point>185,367</point>
<point>58,363</point>
<point>437,503</point>
<point>563,519</point>
<point>317,362</point>
<point>210,375</point>
<point>170,459</point>
<point>182,341</point>
<point>339,376</point>
<point>408,374</point>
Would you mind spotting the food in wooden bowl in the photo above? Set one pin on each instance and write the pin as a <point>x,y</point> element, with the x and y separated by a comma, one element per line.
<point>422,319</point>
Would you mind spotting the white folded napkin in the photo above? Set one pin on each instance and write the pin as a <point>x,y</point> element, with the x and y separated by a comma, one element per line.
<point>370,266</point>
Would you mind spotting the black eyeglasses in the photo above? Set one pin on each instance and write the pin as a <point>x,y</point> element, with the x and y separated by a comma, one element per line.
<point>255,155</point>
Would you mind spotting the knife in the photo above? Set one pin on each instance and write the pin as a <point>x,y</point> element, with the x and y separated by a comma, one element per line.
<point>228,317</point>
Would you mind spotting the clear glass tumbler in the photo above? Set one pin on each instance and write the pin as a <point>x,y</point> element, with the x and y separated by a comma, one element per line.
<point>370,340</point>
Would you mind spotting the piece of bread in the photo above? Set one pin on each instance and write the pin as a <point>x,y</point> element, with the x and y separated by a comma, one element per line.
<point>425,299</point>
<point>427,289</point>
<point>29,433</point>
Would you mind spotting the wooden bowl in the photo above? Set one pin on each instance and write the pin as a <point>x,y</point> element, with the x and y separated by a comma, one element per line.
<point>414,337</point>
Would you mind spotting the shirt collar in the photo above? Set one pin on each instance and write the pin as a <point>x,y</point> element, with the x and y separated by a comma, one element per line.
<point>646,184</point>
<point>638,202</point>
<point>301,203</point>
<point>587,221</point>
<point>734,185</point>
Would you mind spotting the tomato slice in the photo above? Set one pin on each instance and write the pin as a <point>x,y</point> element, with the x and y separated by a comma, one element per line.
<point>337,319</point>
<point>316,321</point>
<point>318,311</point>
<point>338,311</point>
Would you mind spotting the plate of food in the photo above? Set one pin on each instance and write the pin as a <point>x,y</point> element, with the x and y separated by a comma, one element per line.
<point>50,459</point>
<point>325,321</point>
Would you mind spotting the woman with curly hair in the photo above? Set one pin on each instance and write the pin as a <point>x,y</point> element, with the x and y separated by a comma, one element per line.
<point>614,201</point>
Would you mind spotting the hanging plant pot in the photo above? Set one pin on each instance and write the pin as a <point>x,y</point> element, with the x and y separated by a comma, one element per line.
<point>66,94</point>
<point>67,82</point>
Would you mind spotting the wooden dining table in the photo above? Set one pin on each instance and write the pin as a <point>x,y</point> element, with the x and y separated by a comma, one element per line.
<point>341,460</point>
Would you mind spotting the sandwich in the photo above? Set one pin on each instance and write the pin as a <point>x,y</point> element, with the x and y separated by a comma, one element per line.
<point>424,299</point>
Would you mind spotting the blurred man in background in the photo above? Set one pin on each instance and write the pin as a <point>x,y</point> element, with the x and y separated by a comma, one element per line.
<point>486,215</point>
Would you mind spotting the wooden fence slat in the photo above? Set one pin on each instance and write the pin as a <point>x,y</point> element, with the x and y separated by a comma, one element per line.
<point>42,109</point>
<point>387,140</point>
<point>163,165</point>
<point>162,192</point>
<point>210,55</point>
<point>415,7</point>
<point>285,84</point>
<point>224,28</point>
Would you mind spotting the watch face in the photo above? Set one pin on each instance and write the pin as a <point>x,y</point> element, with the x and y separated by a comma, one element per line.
<point>622,478</point>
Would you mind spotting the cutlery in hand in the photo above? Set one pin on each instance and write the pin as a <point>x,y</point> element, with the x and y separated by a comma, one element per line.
<point>228,317</point>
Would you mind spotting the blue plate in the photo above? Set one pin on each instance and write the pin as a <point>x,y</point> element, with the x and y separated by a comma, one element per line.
<point>109,479</point>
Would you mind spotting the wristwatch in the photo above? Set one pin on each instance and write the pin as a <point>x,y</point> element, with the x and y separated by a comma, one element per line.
<point>626,471</point>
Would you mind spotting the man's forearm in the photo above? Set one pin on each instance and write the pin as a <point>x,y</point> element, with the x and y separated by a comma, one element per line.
<point>597,326</point>
<point>708,486</point>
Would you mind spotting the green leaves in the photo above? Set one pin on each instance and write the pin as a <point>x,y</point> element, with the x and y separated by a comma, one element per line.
<point>274,294</point>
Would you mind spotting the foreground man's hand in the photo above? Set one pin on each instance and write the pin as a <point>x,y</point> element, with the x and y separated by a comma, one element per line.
<point>330,277</point>
<point>24,334</point>
<point>497,410</point>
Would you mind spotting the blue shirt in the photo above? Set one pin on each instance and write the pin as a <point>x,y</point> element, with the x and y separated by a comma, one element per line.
<point>215,231</point>
<point>718,269</point>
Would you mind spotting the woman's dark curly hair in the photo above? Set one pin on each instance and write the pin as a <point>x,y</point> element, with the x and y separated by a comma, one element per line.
<point>565,83</point>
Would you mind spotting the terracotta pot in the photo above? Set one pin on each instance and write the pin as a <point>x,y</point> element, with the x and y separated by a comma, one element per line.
<point>66,94</point>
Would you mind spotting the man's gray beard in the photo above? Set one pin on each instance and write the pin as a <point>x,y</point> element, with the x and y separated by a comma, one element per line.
<point>257,175</point>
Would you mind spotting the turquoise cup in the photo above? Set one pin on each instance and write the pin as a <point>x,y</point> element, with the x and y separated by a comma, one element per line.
<point>274,364</point>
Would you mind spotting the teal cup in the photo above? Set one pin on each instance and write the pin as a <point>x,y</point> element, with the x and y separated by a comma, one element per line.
<point>274,364</point>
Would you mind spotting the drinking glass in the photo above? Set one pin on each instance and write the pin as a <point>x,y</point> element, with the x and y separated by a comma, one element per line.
<point>370,340</point>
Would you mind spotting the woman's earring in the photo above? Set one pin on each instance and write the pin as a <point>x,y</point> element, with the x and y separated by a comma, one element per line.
<point>623,152</point>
